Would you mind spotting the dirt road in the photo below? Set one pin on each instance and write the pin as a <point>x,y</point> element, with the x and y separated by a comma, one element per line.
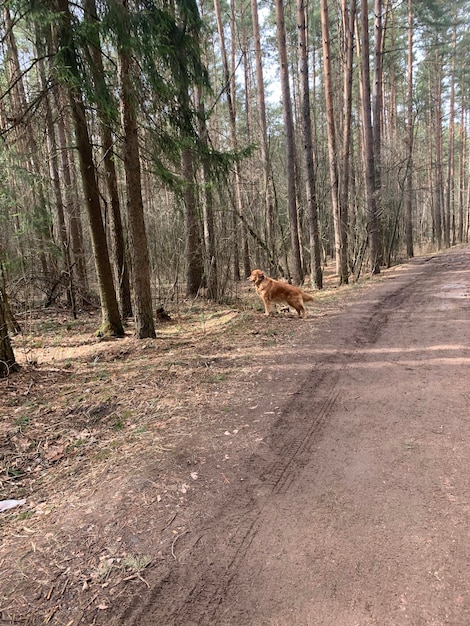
<point>355,508</point>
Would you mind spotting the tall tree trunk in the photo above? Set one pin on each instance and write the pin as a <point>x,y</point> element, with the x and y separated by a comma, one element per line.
<point>450,188</point>
<point>194,269</point>
<point>409,139</point>
<point>371,199</point>
<point>377,116</point>
<point>463,145</point>
<point>111,321</point>
<point>55,177</point>
<point>290,143</point>
<point>228,83</point>
<point>436,113</point>
<point>349,19</point>
<point>210,264</point>
<point>377,93</point>
<point>341,256</point>
<point>138,248</point>
<point>261,100</point>
<point>69,191</point>
<point>68,178</point>
<point>307,152</point>
<point>104,105</point>
<point>246,120</point>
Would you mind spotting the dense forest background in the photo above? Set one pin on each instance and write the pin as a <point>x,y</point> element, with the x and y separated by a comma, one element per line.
<point>154,149</point>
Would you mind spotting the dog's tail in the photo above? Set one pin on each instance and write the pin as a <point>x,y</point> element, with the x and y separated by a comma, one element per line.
<point>306,296</point>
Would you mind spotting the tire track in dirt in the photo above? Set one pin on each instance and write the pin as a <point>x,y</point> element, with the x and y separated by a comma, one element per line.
<point>219,551</point>
<point>292,450</point>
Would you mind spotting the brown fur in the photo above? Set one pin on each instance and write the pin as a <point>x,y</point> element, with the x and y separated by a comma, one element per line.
<point>275,291</point>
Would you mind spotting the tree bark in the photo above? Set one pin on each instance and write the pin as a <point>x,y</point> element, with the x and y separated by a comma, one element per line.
<point>261,101</point>
<point>111,321</point>
<point>349,19</point>
<point>409,140</point>
<point>59,204</point>
<point>194,269</point>
<point>290,143</point>
<point>450,188</point>
<point>341,258</point>
<point>230,94</point>
<point>118,245</point>
<point>437,123</point>
<point>70,194</point>
<point>371,200</point>
<point>307,152</point>
<point>138,248</point>
<point>210,263</point>
<point>377,93</point>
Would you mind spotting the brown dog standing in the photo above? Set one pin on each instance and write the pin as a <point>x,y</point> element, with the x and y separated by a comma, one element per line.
<point>275,291</point>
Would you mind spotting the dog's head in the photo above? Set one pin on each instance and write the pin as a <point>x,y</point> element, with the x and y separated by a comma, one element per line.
<point>256,276</point>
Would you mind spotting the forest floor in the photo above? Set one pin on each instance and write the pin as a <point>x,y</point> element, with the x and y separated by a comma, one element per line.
<point>246,470</point>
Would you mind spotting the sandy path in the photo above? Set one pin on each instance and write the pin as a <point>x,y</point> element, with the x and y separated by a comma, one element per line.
<point>355,510</point>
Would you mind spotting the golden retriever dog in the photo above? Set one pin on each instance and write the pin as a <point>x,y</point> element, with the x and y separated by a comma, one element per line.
<point>275,291</point>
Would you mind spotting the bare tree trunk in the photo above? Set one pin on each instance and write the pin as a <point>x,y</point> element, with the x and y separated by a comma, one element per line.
<point>450,191</point>
<point>211,266</point>
<point>68,180</point>
<point>377,118</point>
<point>371,199</point>
<point>138,248</point>
<point>233,130</point>
<point>116,229</point>
<point>247,122</point>
<point>59,204</point>
<point>349,19</point>
<point>70,193</point>
<point>261,100</point>
<point>463,145</point>
<point>307,152</point>
<point>341,257</point>
<point>437,123</point>
<point>409,140</point>
<point>194,269</point>
<point>111,321</point>
<point>290,143</point>
<point>377,92</point>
